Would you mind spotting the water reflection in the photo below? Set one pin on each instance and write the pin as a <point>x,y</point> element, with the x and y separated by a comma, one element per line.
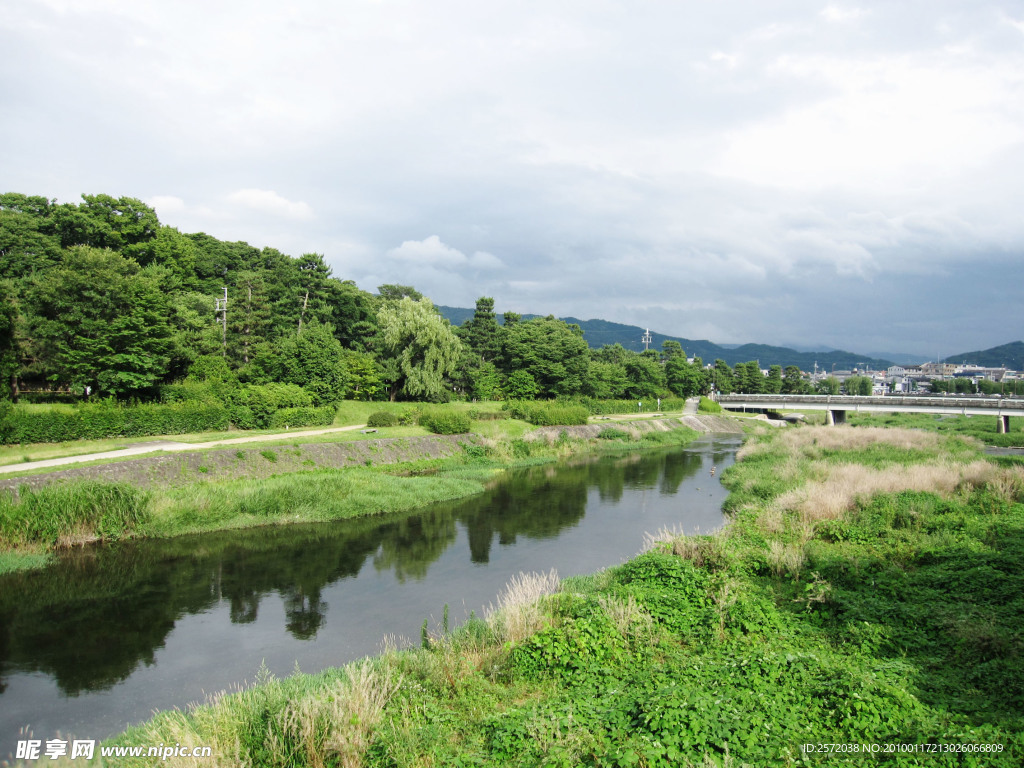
<point>103,613</point>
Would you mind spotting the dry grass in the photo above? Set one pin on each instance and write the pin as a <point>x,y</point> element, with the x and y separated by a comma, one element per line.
<point>786,558</point>
<point>519,612</point>
<point>337,726</point>
<point>628,616</point>
<point>842,485</point>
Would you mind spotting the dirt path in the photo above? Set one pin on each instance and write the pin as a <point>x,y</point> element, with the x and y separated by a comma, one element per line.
<point>154,446</point>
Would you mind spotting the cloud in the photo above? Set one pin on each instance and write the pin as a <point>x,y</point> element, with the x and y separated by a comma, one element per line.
<point>702,169</point>
<point>269,202</point>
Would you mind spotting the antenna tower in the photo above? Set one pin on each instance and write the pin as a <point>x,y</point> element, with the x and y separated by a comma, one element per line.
<point>647,339</point>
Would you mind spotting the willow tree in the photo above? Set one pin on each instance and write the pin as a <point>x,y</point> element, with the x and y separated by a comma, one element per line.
<point>418,349</point>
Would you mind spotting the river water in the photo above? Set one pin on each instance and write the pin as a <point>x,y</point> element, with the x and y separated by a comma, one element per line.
<point>110,634</point>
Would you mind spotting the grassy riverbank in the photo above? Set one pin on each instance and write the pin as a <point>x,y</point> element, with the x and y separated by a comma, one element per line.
<point>868,592</point>
<point>52,517</point>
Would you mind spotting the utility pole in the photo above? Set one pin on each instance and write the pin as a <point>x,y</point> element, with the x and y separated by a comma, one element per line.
<point>647,339</point>
<point>222,309</point>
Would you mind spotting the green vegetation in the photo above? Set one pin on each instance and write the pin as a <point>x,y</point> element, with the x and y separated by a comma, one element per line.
<point>868,591</point>
<point>66,513</point>
<point>982,428</point>
<point>548,414</point>
<point>445,422</point>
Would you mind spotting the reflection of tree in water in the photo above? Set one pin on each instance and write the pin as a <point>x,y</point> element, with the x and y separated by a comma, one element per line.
<point>676,467</point>
<point>304,613</point>
<point>411,545</point>
<point>90,620</point>
<point>538,503</point>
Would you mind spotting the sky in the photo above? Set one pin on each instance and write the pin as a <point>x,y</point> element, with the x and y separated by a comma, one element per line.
<point>819,174</point>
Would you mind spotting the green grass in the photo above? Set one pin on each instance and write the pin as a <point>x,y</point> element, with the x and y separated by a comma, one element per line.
<point>983,428</point>
<point>309,496</point>
<point>895,621</point>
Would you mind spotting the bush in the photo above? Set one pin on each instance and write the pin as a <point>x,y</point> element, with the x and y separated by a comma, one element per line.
<point>550,414</point>
<point>446,422</point>
<point>302,417</point>
<point>612,433</point>
<point>96,420</point>
<point>708,405</point>
<point>383,419</point>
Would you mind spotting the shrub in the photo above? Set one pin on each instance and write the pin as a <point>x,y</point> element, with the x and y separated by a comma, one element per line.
<point>613,433</point>
<point>108,419</point>
<point>383,419</point>
<point>549,414</point>
<point>302,417</point>
<point>707,405</point>
<point>446,422</point>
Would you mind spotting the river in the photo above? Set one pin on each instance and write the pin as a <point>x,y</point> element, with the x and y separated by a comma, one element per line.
<point>109,634</point>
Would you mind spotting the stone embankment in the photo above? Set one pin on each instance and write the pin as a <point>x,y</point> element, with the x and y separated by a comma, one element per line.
<point>699,423</point>
<point>184,467</point>
<point>194,466</point>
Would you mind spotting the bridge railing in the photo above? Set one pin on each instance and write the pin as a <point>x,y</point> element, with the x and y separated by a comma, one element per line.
<point>992,402</point>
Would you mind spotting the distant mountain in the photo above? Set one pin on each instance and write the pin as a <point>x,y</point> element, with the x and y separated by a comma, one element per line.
<point>1010,355</point>
<point>600,332</point>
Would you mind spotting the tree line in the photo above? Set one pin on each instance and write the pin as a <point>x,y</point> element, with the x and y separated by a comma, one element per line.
<point>100,299</point>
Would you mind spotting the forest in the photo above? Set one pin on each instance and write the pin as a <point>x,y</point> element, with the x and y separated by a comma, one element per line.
<point>102,301</point>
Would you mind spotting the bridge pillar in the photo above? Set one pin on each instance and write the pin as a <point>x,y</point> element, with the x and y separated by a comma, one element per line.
<point>833,417</point>
<point>1004,424</point>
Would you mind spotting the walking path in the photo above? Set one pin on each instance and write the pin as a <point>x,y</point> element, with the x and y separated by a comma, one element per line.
<point>167,445</point>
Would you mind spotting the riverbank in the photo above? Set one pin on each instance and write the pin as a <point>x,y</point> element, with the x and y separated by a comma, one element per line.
<point>867,593</point>
<point>191,492</point>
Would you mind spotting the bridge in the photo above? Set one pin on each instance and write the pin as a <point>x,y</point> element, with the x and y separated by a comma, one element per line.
<point>836,406</point>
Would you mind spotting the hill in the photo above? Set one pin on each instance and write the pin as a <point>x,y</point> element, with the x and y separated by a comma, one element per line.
<point>1009,355</point>
<point>600,332</point>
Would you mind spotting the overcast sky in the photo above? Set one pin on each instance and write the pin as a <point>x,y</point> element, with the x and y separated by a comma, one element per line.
<point>800,173</point>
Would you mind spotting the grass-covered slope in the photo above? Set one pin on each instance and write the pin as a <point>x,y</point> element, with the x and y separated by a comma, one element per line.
<point>868,593</point>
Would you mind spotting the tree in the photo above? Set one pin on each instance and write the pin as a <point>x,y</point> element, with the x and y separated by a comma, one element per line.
<point>390,292</point>
<point>645,375</point>
<point>721,376</point>
<point>551,351</point>
<point>748,379</point>
<point>671,348</point>
<point>858,385</point>
<point>417,348</point>
<point>829,386</point>
<point>606,381</point>
<point>683,378</point>
<point>773,382</point>
<point>313,276</point>
<point>314,361</point>
<point>481,333</point>
<point>102,323</point>
<point>521,386</point>
<point>793,381</point>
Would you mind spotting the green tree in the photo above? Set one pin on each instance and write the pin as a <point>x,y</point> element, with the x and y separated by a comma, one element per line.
<point>829,386</point>
<point>793,381</point>
<point>391,292</point>
<point>521,386</point>
<point>551,351</point>
<point>671,348</point>
<point>606,381</point>
<point>721,377</point>
<point>645,375</point>
<point>417,347</point>
<point>858,385</point>
<point>102,323</point>
<point>481,333</point>
<point>315,362</point>
<point>773,382</point>
<point>683,378</point>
